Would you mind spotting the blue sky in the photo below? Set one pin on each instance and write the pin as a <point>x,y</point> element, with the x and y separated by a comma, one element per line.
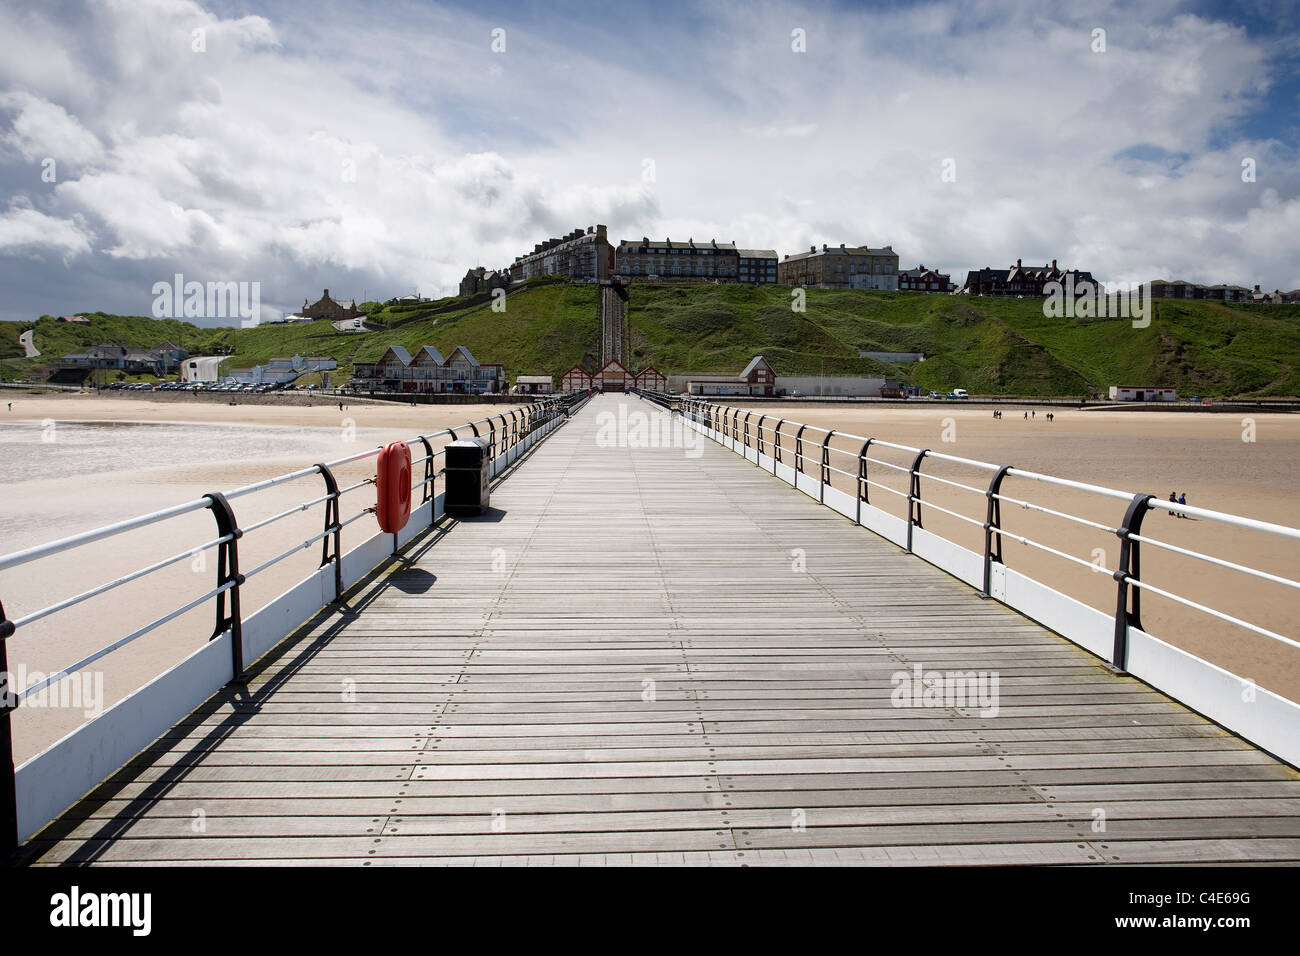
<point>691,120</point>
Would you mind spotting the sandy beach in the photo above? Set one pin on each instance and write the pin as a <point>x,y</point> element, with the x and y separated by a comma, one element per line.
<point>1202,456</point>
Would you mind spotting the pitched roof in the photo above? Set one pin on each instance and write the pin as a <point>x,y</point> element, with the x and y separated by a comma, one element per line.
<point>431,352</point>
<point>753,364</point>
<point>612,362</point>
<point>757,253</point>
<point>464,351</point>
<point>403,356</point>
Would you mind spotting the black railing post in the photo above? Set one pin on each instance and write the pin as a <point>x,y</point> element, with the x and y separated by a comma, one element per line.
<point>863,493</point>
<point>492,443</point>
<point>776,443</point>
<point>798,451</point>
<point>914,496</point>
<point>514,429</point>
<point>332,529</point>
<point>475,428</point>
<point>993,528</point>
<point>825,474</point>
<point>429,478</point>
<point>228,573</point>
<point>505,434</point>
<point>9,783</point>
<point>1128,601</point>
<point>428,469</point>
<point>747,414</point>
<point>759,429</point>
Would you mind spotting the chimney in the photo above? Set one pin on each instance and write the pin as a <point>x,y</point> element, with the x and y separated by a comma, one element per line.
<point>812,248</point>
<point>841,245</point>
<point>823,247</point>
<point>1017,263</point>
<point>1053,263</point>
<point>1256,288</point>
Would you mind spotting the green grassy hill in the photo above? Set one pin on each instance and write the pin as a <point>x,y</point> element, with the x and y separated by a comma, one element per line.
<point>986,345</point>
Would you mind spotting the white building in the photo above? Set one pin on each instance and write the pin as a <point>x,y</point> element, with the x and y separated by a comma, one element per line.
<point>1141,393</point>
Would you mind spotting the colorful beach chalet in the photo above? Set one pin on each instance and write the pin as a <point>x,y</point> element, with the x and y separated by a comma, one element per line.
<point>427,372</point>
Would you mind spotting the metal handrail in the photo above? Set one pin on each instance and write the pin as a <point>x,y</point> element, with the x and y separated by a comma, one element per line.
<point>1127,576</point>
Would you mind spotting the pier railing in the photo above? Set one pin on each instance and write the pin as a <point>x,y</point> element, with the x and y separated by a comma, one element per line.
<point>36,792</point>
<point>804,456</point>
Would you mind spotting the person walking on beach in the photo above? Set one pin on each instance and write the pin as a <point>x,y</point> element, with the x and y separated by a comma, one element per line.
<point>1182,500</point>
<point>1026,416</point>
<point>1173,499</point>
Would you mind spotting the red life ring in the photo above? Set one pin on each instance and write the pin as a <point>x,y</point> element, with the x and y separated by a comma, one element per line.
<point>394,487</point>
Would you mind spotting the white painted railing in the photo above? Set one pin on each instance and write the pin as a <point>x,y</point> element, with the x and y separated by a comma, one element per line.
<point>1267,719</point>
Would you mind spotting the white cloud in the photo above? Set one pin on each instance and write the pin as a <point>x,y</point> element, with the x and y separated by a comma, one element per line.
<point>41,129</point>
<point>27,232</point>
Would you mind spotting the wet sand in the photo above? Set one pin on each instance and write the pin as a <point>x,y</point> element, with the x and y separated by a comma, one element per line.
<point>72,463</point>
<point>1200,455</point>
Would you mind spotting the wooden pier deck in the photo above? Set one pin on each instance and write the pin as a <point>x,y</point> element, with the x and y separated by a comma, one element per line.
<point>647,655</point>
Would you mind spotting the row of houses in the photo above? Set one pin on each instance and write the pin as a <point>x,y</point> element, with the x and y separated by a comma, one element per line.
<point>1022,280</point>
<point>428,372</point>
<point>1178,289</point>
<point>158,360</point>
<point>587,255</point>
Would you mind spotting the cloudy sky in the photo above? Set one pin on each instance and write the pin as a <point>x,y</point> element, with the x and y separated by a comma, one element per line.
<point>383,147</point>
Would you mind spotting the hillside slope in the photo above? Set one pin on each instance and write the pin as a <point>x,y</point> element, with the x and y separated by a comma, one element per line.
<point>987,345</point>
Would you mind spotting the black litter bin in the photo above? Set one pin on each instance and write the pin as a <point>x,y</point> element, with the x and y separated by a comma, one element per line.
<point>467,477</point>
